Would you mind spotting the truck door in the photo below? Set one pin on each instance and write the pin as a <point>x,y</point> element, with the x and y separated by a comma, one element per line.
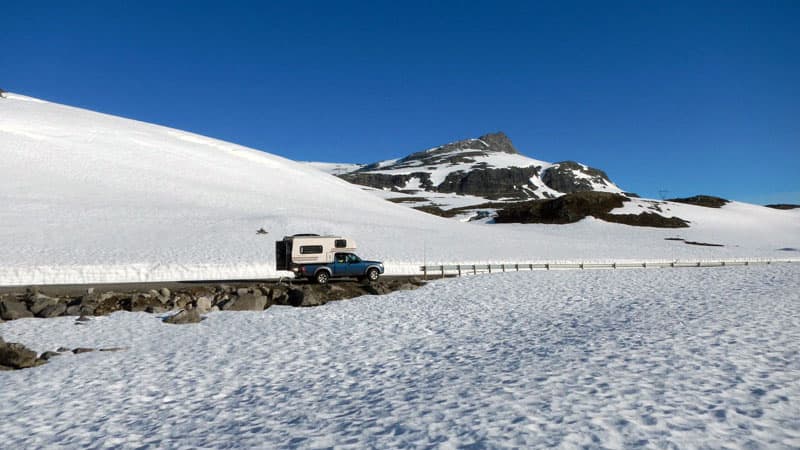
<point>340,266</point>
<point>355,267</point>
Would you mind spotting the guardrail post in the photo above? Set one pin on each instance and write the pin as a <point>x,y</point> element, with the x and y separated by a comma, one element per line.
<point>613,265</point>
<point>442,267</point>
<point>747,263</point>
<point>581,266</point>
<point>547,266</point>
<point>474,270</point>
<point>644,264</point>
<point>425,272</point>
<point>503,266</point>
<point>490,267</point>
<point>531,266</point>
<point>723,263</point>
<point>516,266</point>
<point>459,270</point>
<point>698,263</point>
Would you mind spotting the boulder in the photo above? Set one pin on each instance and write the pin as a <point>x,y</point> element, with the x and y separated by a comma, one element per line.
<point>47,356</point>
<point>280,295</point>
<point>184,316</point>
<point>203,304</point>
<point>38,302</point>
<point>53,310</point>
<point>17,356</point>
<point>305,296</point>
<point>80,350</point>
<point>249,302</point>
<point>12,309</point>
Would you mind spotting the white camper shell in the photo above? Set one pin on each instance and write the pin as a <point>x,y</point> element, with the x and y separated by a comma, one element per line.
<point>310,249</point>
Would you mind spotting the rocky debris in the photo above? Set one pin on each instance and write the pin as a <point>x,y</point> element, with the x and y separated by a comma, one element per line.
<point>573,207</point>
<point>783,206</point>
<point>193,301</point>
<point>80,350</point>
<point>570,176</point>
<point>702,200</point>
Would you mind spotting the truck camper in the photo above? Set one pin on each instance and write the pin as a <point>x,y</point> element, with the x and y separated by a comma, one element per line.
<point>321,258</point>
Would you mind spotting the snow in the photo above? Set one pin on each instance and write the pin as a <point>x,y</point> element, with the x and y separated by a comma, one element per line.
<point>90,198</point>
<point>669,358</point>
<point>334,168</point>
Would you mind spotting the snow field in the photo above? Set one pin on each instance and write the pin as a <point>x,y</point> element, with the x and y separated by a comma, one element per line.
<point>92,198</point>
<point>677,358</point>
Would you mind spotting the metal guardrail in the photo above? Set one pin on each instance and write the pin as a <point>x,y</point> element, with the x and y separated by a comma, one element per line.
<point>444,270</point>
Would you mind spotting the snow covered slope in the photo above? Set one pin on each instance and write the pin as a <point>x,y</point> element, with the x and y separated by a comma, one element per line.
<point>88,197</point>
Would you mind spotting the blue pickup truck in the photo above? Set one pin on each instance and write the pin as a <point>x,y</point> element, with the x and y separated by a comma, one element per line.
<point>343,265</point>
<point>321,258</point>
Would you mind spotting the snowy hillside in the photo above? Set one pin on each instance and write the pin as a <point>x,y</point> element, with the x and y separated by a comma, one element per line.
<point>88,197</point>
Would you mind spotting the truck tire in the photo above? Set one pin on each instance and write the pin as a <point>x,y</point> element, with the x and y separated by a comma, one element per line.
<point>322,277</point>
<point>373,274</point>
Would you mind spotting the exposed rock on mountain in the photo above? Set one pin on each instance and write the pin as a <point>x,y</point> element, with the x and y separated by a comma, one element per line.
<point>569,176</point>
<point>702,200</point>
<point>575,206</point>
<point>453,176</point>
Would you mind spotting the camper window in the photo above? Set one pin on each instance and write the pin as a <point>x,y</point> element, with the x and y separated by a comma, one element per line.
<point>340,243</point>
<point>310,249</point>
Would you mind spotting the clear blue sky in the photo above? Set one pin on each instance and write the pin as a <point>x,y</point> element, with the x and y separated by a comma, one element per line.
<point>690,97</point>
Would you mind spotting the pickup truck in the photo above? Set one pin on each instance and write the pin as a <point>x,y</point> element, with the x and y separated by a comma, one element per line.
<point>343,265</point>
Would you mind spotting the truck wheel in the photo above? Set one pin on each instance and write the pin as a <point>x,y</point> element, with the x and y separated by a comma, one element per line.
<point>373,274</point>
<point>322,277</point>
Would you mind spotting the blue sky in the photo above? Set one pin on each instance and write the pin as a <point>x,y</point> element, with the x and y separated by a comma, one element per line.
<point>686,97</point>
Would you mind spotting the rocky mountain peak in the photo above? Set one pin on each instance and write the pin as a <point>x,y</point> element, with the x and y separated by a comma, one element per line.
<point>499,142</point>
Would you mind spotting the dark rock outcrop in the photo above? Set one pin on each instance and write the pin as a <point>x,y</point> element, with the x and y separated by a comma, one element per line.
<point>708,201</point>
<point>783,206</point>
<point>387,181</point>
<point>569,176</point>
<point>511,182</point>
<point>576,206</point>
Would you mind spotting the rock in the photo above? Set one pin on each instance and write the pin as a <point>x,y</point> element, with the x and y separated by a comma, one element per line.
<point>702,200</point>
<point>182,300</point>
<point>62,349</point>
<point>12,309</point>
<point>242,291</point>
<point>184,316</point>
<point>165,293</point>
<point>53,310</point>
<point>16,356</point>
<point>80,350</point>
<point>39,302</point>
<point>249,302</point>
<point>280,295</point>
<point>569,176</point>
<point>47,356</point>
<point>203,304</point>
<point>305,296</point>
